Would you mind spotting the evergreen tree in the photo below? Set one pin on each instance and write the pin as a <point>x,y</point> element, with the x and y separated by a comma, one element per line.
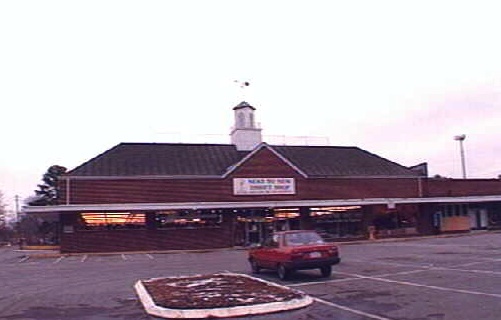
<point>47,192</point>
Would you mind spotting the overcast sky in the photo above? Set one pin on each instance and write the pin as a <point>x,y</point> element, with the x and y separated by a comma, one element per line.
<point>397,78</point>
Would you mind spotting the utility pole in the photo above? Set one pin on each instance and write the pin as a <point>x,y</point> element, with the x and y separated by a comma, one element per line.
<point>16,198</point>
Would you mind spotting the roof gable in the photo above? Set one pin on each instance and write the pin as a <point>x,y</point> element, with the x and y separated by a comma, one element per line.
<point>264,161</point>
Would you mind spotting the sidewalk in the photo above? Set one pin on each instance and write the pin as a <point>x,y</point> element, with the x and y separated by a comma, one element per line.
<point>46,253</point>
<point>418,237</point>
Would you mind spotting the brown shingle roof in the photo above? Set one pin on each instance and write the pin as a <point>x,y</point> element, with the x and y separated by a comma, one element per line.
<point>170,159</point>
<point>320,161</point>
<point>161,159</point>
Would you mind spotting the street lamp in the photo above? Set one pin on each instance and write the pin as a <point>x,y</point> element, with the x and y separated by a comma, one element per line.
<point>461,138</point>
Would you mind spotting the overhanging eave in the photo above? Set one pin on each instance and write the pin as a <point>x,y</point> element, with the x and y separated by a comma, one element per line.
<point>252,204</point>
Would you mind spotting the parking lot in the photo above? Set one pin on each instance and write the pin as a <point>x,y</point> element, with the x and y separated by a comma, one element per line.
<point>434,278</point>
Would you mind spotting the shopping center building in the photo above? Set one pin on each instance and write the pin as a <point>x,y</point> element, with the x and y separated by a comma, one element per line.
<point>170,196</point>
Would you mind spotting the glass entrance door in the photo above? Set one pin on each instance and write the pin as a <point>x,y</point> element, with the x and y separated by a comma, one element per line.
<point>256,231</point>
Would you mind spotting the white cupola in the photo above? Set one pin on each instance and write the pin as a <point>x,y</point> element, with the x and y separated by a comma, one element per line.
<point>246,133</point>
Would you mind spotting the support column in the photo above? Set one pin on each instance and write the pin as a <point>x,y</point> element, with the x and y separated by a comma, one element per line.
<point>305,220</point>
<point>151,223</point>
<point>368,217</point>
<point>427,221</point>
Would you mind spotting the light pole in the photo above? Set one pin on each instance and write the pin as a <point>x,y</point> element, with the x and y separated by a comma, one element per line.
<point>16,198</point>
<point>461,138</point>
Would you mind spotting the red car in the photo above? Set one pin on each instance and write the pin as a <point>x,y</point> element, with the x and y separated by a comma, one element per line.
<point>288,251</point>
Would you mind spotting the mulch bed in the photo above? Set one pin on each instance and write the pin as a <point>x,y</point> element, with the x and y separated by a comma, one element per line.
<point>215,291</point>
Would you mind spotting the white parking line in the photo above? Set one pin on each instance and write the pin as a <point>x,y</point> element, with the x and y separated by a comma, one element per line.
<point>303,284</point>
<point>394,264</point>
<point>475,262</point>
<point>402,273</point>
<point>24,259</point>
<point>124,257</point>
<point>420,285</point>
<point>84,258</point>
<point>365,314</point>
<point>58,260</point>
<point>356,278</point>
<point>428,245</point>
<point>468,271</point>
<point>424,269</point>
<point>431,266</point>
<point>150,256</point>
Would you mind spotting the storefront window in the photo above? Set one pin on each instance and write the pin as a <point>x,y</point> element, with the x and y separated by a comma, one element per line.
<point>112,221</point>
<point>254,225</point>
<point>337,222</point>
<point>188,219</point>
<point>394,219</point>
<point>455,210</point>
<point>398,221</point>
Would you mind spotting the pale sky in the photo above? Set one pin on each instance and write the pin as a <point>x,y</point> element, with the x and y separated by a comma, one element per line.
<point>397,78</point>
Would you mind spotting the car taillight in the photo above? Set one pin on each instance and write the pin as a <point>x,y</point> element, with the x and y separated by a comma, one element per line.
<point>332,251</point>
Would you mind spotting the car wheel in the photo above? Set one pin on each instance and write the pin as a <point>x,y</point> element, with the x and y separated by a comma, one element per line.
<point>255,267</point>
<point>326,271</point>
<point>283,272</point>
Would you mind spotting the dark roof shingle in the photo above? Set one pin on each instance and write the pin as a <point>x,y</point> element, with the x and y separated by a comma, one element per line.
<point>324,161</point>
<point>171,159</point>
<point>161,159</point>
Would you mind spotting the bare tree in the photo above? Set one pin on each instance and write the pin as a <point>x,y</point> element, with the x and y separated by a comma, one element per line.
<point>5,232</point>
<point>3,211</point>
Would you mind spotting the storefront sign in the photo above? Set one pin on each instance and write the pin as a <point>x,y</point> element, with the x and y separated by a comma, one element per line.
<point>259,186</point>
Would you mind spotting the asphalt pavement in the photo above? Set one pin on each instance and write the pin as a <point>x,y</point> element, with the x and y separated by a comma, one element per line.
<point>424,278</point>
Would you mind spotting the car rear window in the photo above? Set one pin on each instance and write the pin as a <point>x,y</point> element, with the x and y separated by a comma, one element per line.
<point>302,238</point>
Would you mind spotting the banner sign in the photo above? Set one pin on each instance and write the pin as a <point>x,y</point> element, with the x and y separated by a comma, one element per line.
<point>260,186</point>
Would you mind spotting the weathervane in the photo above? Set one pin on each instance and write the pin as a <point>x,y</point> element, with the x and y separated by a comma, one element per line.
<point>242,85</point>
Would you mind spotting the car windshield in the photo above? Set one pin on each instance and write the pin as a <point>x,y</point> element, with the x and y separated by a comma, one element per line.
<point>302,238</point>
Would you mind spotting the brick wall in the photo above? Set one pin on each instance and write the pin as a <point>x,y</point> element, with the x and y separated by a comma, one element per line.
<point>221,190</point>
<point>457,187</point>
<point>147,239</point>
<point>266,164</point>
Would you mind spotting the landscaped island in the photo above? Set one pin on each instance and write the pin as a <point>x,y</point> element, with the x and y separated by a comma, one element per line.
<point>216,295</point>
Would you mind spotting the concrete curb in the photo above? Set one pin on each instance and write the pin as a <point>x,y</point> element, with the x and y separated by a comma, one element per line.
<point>263,308</point>
<point>38,254</point>
<point>38,247</point>
<point>403,239</point>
